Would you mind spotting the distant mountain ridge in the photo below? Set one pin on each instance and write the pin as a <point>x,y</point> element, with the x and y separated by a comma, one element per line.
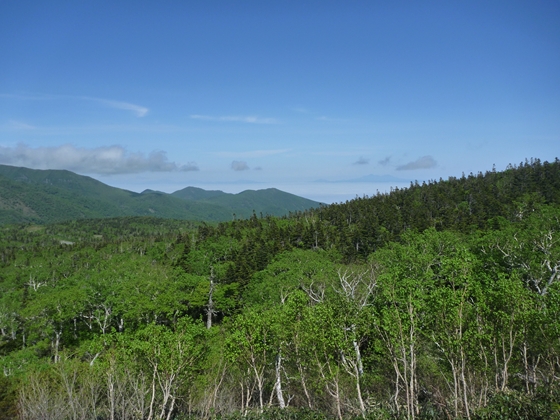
<point>45,196</point>
<point>194,193</point>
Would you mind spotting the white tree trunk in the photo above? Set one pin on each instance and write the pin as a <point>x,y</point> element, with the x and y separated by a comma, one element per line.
<point>278,384</point>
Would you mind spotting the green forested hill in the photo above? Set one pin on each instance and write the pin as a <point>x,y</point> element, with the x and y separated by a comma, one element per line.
<point>193,193</point>
<point>76,198</point>
<point>437,301</point>
<point>270,201</point>
<point>37,196</point>
<point>464,204</point>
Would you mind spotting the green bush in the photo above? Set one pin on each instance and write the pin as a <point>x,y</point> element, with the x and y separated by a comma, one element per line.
<point>8,399</point>
<point>510,404</point>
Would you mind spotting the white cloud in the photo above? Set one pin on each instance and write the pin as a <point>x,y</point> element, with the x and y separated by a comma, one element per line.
<point>251,119</point>
<point>237,165</point>
<point>425,162</point>
<point>101,160</point>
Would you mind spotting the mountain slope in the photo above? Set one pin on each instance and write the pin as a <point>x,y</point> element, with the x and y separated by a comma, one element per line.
<point>45,196</point>
<point>193,193</point>
<point>269,201</point>
<point>466,204</point>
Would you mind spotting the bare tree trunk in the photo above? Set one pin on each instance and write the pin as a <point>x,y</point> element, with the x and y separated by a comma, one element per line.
<point>56,344</point>
<point>331,386</point>
<point>260,387</point>
<point>464,382</point>
<point>455,389</point>
<point>152,400</point>
<point>359,391</point>
<point>358,372</point>
<point>336,396</point>
<point>301,373</point>
<point>68,380</point>
<point>358,358</point>
<point>111,392</point>
<point>210,306</point>
<point>171,408</point>
<point>278,384</point>
<point>217,384</point>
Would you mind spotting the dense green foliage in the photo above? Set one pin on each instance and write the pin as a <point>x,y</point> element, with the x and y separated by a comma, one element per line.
<point>438,301</point>
<point>34,196</point>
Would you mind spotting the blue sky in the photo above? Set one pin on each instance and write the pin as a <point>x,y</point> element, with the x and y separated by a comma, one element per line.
<point>256,94</point>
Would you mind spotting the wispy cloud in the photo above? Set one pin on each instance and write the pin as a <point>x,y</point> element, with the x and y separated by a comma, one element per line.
<point>385,162</point>
<point>79,129</point>
<point>26,97</point>
<point>361,161</point>
<point>425,162</point>
<point>253,153</point>
<point>238,165</point>
<point>138,110</point>
<point>335,152</point>
<point>100,160</point>
<point>18,125</point>
<point>329,119</point>
<point>249,119</point>
<point>316,115</point>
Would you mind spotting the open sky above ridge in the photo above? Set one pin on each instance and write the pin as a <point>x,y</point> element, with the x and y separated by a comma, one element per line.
<point>288,94</point>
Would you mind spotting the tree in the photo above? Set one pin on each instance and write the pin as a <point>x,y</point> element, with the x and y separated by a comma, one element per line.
<point>405,281</point>
<point>249,344</point>
<point>173,357</point>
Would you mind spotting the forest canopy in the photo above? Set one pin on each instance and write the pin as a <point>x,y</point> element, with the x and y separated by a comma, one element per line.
<point>441,300</point>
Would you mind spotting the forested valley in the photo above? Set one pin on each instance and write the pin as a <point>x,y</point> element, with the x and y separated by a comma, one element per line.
<point>438,301</point>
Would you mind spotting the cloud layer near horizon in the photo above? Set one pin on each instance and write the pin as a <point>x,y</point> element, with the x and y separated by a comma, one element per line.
<point>101,160</point>
<point>425,162</point>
